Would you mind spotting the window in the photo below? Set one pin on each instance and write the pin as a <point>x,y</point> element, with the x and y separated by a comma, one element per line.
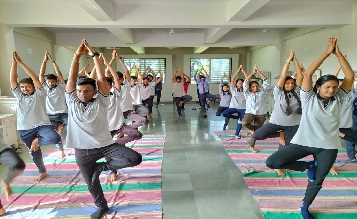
<point>216,68</point>
<point>158,65</point>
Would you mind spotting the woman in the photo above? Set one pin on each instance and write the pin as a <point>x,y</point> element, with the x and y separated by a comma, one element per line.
<point>238,103</point>
<point>226,97</point>
<point>286,114</point>
<point>256,111</point>
<point>320,105</point>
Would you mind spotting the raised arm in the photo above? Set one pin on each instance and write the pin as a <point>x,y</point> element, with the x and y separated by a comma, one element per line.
<point>102,82</point>
<point>43,68</point>
<point>174,75</point>
<point>234,76</point>
<point>307,80</point>
<point>112,72</point>
<point>57,70</point>
<point>348,80</point>
<point>13,72</point>
<point>160,79</point>
<point>93,73</point>
<point>285,70</point>
<point>29,72</point>
<point>337,71</point>
<point>298,72</point>
<point>126,71</point>
<point>73,72</point>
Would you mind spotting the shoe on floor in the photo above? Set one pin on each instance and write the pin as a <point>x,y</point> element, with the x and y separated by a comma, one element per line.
<point>204,116</point>
<point>238,136</point>
<point>224,128</point>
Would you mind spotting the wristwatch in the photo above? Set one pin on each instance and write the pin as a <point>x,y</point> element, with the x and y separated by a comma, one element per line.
<point>95,54</point>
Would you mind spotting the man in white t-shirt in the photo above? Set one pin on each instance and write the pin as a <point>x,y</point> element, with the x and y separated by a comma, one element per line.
<point>34,127</point>
<point>88,129</point>
<point>179,95</point>
<point>137,101</point>
<point>56,101</point>
<point>146,88</point>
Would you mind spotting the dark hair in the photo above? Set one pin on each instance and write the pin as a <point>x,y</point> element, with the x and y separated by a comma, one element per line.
<point>133,77</point>
<point>253,82</point>
<point>178,77</point>
<point>202,76</point>
<point>109,80</point>
<point>87,81</point>
<point>149,75</point>
<point>120,75</point>
<point>340,79</point>
<point>145,78</point>
<point>225,85</point>
<point>288,110</point>
<point>27,81</point>
<point>239,79</point>
<point>239,89</point>
<point>51,77</point>
<point>324,79</point>
<point>82,76</point>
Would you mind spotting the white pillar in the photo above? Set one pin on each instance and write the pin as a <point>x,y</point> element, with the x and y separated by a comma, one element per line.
<point>7,46</point>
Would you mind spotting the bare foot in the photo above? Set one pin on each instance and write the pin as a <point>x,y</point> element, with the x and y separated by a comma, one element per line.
<point>280,172</point>
<point>61,155</point>
<point>2,211</point>
<point>282,141</point>
<point>149,116</point>
<point>208,102</point>
<point>333,171</point>
<point>113,177</point>
<point>7,190</point>
<point>251,132</point>
<point>34,145</point>
<point>341,135</point>
<point>253,149</point>
<point>120,135</point>
<point>41,176</point>
<point>59,128</point>
<point>180,104</point>
<point>180,117</point>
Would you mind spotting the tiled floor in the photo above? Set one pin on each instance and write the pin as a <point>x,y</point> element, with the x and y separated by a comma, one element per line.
<point>199,179</point>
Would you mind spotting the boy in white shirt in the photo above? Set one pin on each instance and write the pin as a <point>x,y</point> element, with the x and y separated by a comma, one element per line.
<point>34,127</point>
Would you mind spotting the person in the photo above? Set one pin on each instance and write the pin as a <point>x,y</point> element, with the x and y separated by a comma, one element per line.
<point>186,84</point>
<point>321,105</point>
<point>16,165</point>
<point>238,102</point>
<point>286,115</point>
<point>146,88</point>
<point>56,101</point>
<point>226,97</point>
<point>158,88</point>
<point>178,91</point>
<point>256,111</point>
<point>33,124</point>
<point>136,96</point>
<point>203,90</point>
<point>88,128</point>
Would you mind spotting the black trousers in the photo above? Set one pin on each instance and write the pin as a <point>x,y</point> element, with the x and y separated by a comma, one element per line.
<point>119,156</point>
<point>13,161</point>
<point>350,135</point>
<point>270,130</point>
<point>158,96</point>
<point>219,113</point>
<point>287,158</point>
<point>149,103</point>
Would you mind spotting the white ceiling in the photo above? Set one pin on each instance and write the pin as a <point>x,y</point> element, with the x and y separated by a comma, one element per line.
<point>174,23</point>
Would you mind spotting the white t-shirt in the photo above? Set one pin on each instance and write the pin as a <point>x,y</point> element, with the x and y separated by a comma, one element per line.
<point>88,125</point>
<point>238,98</point>
<point>346,120</point>
<point>115,112</point>
<point>178,89</point>
<point>135,95</point>
<point>31,109</point>
<point>153,89</point>
<point>56,98</point>
<point>127,101</point>
<point>145,91</point>
<point>319,124</point>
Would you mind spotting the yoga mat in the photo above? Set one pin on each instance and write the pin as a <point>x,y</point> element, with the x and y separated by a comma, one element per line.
<point>281,197</point>
<point>64,194</point>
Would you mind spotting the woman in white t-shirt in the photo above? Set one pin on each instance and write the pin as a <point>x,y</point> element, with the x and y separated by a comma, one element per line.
<point>321,105</point>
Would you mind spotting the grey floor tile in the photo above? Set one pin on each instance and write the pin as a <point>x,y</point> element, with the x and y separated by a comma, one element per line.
<point>179,203</point>
<point>176,182</point>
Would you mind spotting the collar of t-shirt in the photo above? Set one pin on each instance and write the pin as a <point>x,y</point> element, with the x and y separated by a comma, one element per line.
<point>325,102</point>
<point>91,101</point>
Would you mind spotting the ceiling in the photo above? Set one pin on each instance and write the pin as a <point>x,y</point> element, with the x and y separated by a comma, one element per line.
<point>200,24</point>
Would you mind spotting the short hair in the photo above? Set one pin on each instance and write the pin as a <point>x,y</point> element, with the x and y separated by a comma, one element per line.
<point>82,76</point>
<point>120,75</point>
<point>239,79</point>
<point>27,81</point>
<point>51,77</point>
<point>145,78</point>
<point>134,77</point>
<point>109,80</point>
<point>149,75</point>
<point>178,77</point>
<point>202,76</point>
<point>87,81</point>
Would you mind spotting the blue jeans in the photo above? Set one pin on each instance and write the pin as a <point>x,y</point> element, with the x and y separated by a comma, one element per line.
<point>203,98</point>
<point>56,119</point>
<point>46,135</point>
<point>228,113</point>
<point>351,146</point>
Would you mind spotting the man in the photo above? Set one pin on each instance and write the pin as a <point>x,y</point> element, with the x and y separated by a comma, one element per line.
<point>203,90</point>
<point>178,91</point>
<point>56,101</point>
<point>88,128</point>
<point>158,88</point>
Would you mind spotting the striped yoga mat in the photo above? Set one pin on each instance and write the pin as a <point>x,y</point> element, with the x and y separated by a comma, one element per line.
<point>281,197</point>
<point>64,194</point>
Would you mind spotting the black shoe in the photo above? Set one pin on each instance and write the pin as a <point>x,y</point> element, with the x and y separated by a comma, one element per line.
<point>224,128</point>
<point>183,108</point>
<point>157,106</point>
<point>204,116</point>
